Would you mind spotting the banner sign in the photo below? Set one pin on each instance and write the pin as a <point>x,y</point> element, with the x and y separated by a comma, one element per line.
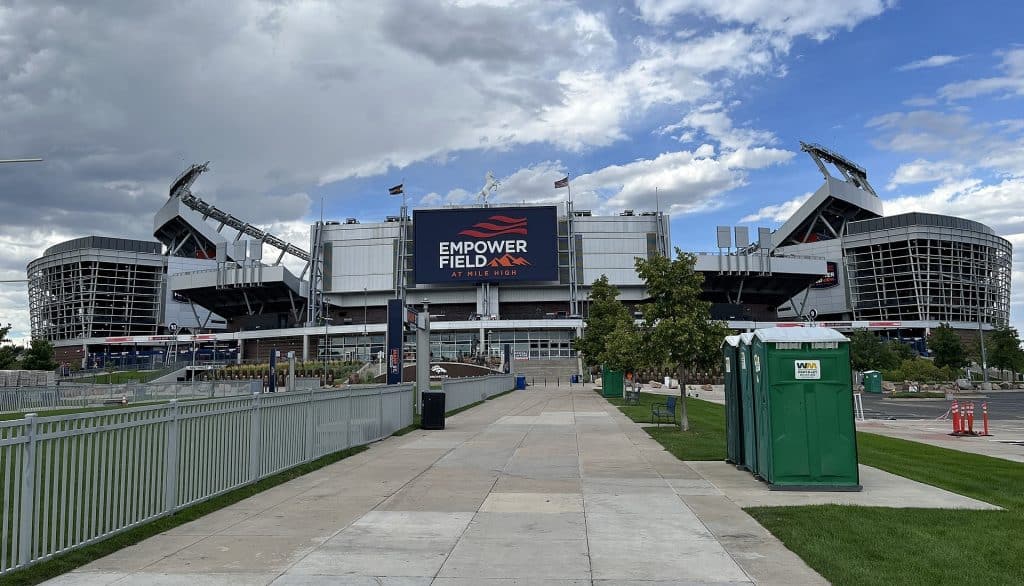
<point>486,244</point>
<point>272,381</point>
<point>395,336</point>
<point>831,278</point>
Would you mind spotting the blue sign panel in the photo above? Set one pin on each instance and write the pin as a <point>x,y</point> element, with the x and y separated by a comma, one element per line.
<point>395,335</point>
<point>486,244</point>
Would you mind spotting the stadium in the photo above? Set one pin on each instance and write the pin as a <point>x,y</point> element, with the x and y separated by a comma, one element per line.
<point>497,275</point>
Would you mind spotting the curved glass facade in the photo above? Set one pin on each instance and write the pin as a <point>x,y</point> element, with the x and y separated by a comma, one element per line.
<point>96,287</point>
<point>921,266</point>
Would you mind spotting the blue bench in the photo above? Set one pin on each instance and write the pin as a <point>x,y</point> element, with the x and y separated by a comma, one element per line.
<point>664,411</point>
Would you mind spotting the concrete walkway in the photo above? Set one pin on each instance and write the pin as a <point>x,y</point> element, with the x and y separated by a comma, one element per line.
<point>545,486</point>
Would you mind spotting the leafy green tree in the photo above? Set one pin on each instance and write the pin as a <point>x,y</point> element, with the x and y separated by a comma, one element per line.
<point>1003,350</point>
<point>606,313</point>
<point>867,352</point>
<point>9,353</point>
<point>901,351</point>
<point>678,328</point>
<point>38,356</point>
<point>624,348</point>
<point>946,346</point>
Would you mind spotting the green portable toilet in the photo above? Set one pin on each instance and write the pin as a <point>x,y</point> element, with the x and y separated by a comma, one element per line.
<point>806,434</point>
<point>611,383</point>
<point>872,381</point>
<point>748,421</point>
<point>733,425</point>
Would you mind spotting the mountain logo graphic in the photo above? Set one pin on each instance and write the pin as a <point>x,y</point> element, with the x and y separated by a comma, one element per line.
<point>496,226</point>
<point>509,261</point>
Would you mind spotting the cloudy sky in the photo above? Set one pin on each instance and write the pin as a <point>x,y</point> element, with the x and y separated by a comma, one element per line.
<point>298,102</point>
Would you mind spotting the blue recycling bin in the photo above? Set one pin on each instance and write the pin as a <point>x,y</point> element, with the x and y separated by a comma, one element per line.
<point>520,382</point>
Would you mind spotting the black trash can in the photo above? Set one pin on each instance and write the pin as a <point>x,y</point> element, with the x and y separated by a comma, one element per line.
<point>432,414</point>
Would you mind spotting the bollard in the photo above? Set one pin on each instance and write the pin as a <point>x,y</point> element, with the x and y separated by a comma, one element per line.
<point>984,418</point>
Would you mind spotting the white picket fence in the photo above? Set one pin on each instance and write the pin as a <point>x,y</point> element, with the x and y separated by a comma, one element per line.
<point>460,392</point>
<point>71,480</point>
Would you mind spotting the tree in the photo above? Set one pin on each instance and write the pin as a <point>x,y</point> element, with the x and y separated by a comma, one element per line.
<point>605,315</point>
<point>39,356</point>
<point>867,352</point>
<point>1003,349</point>
<point>678,328</point>
<point>946,347</point>
<point>624,348</point>
<point>8,354</point>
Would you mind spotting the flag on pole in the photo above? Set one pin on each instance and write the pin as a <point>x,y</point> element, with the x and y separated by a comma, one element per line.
<point>564,182</point>
<point>397,190</point>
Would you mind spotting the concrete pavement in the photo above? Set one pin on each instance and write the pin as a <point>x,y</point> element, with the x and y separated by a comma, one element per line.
<point>546,486</point>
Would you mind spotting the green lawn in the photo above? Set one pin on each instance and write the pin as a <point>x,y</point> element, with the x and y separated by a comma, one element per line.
<point>705,439</point>
<point>868,545</point>
<point>875,545</point>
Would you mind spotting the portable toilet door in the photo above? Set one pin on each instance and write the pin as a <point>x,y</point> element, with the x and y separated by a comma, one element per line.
<point>762,410</point>
<point>807,438</point>
<point>733,425</point>
<point>746,394</point>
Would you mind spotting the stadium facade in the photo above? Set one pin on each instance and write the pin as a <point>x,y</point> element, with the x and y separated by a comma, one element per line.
<point>496,275</point>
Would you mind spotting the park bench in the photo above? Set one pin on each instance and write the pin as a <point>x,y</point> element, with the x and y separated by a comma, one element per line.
<point>666,411</point>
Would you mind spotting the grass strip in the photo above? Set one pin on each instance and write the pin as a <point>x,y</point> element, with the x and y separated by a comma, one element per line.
<point>79,557</point>
<point>875,545</point>
<point>705,440</point>
<point>917,395</point>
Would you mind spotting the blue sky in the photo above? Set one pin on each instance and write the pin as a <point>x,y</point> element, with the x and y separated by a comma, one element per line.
<point>703,99</point>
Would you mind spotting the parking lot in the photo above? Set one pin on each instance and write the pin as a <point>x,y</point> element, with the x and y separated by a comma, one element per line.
<point>1002,405</point>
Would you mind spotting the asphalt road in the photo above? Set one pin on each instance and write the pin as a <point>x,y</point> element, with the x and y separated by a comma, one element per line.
<point>1001,406</point>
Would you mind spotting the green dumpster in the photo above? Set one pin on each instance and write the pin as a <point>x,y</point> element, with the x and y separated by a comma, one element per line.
<point>872,381</point>
<point>733,425</point>
<point>748,421</point>
<point>611,383</point>
<point>806,435</point>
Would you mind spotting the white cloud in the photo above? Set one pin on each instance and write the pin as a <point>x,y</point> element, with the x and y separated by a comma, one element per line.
<point>924,171</point>
<point>930,62</point>
<point>789,17</point>
<point>1010,83</point>
<point>777,213</point>
<point>686,181</point>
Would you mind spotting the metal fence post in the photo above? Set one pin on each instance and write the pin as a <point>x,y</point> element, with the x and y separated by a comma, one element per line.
<point>171,463</point>
<point>28,489</point>
<point>310,424</point>
<point>254,439</point>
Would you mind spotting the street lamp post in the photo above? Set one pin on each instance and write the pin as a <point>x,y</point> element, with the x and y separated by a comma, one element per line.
<point>366,338</point>
<point>327,320</point>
